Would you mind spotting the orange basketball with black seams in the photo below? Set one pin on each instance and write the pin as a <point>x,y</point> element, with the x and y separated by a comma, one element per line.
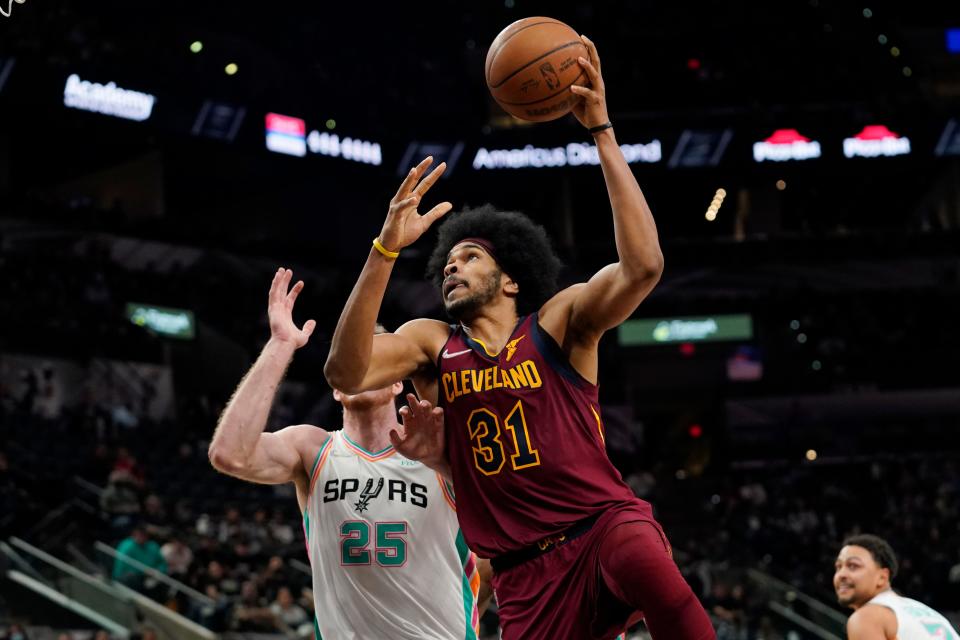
<point>532,64</point>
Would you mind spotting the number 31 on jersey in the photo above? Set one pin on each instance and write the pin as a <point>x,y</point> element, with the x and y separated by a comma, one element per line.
<point>489,454</point>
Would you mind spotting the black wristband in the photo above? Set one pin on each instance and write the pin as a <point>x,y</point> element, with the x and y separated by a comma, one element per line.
<point>600,127</point>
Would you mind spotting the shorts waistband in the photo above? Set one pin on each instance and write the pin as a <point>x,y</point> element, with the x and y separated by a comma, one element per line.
<point>513,558</point>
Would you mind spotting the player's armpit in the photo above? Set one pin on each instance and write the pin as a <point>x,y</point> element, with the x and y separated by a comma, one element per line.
<point>278,458</point>
<point>872,622</point>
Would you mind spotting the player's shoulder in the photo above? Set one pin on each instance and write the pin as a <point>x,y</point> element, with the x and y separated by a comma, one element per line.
<point>430,335</point>
<point>423,326</point>
<point>871,618</point>
<point>305,437</point>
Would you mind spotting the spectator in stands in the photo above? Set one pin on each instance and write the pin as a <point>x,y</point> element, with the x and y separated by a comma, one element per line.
<point>15,632</point>
<point>251,612</point>
<point>127,462</point>
<point>49,402</point>
<point>141,548</point>
<point>290,615</point>
<point>178,556</point>
<point>275,576</point>
<point>121,499</point>
<point>154,517</point>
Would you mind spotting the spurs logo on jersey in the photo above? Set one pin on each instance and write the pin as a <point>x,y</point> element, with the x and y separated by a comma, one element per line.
<point>398,490</point>
<point>364,500</point>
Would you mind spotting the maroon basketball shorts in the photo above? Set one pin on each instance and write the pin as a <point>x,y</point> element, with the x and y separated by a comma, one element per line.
<point>596,583</point>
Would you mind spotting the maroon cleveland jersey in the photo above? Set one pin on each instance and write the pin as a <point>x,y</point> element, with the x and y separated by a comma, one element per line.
<point>524,439</point>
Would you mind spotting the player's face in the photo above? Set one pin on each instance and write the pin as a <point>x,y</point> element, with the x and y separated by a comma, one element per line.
<point>471,280</point>
<point>857,577</point>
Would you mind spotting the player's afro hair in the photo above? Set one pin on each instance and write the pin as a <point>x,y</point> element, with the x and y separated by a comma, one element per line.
<point>522,249</point>
<point>879,548</point>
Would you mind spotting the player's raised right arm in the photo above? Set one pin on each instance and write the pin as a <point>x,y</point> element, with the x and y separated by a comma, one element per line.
<point>358,362</point>
<point>239,446</point>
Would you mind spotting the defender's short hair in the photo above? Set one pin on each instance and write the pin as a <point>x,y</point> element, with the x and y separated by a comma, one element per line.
<point>879,548</point>
<point>522,250</point>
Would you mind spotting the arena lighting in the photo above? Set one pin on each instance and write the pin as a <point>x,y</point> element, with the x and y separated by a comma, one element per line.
<point>173,323</point>
<point>231,69</point>
<point>652,331</point>
<point>574,154</point>
<point>715,205</point>
<point>196,46</point>
<point>953,40</point>
<point>108,99</point>
<point>286,134</point>
<point>355,149</point>
<point>786,144</point>
<point>876,140</point>
<point>811,455</point>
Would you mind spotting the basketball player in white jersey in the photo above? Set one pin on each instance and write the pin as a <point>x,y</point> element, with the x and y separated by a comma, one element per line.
<point>382,536</point>
<point>865,568</point>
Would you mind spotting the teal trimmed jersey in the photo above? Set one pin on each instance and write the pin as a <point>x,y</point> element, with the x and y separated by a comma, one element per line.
<point>915,620</point>
<point>385,547</point>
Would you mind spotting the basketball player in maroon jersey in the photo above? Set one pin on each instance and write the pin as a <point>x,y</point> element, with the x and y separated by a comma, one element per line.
<point>575,553</point>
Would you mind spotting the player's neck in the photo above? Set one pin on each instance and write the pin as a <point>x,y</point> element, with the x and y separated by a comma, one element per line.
<point>493,325</point>
<point>370,427</point>
<point>887,590</point>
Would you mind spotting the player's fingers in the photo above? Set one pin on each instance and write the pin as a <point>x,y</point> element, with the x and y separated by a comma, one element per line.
<point>592,50</point>
<point>437,212</point>
<point>431,178</point>
<point>412,405</point>
<point>395,439</point>
<point>587,94</point>
<point>412,177</point>
<point>295,291</point>
<point>406,203</point>
<point>308,327</point>
<point>592,74</point>
<point>406,185</point>
<point>437,414</point>
<point>275,285</point>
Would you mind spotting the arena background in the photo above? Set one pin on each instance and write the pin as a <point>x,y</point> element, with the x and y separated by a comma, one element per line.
<point>791,380</point>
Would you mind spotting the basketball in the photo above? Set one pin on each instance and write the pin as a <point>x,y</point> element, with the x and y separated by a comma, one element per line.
<point>531,65</point>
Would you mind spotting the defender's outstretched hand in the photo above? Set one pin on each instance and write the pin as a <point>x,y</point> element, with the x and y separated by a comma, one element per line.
<point>404,224</point>
<point>422,438</point>
<point>591,111</point>
<point>280,310</point>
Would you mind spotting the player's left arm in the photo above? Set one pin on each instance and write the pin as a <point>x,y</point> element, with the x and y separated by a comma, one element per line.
<point>612,295</point>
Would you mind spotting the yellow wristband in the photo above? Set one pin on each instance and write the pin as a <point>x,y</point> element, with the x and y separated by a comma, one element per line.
<point>382,249</point>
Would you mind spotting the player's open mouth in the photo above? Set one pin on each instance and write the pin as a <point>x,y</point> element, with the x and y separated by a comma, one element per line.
<point>450,285</point>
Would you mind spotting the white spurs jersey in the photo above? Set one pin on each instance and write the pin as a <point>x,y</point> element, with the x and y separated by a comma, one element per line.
<point>915,620</point>
<point>385,547</point>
